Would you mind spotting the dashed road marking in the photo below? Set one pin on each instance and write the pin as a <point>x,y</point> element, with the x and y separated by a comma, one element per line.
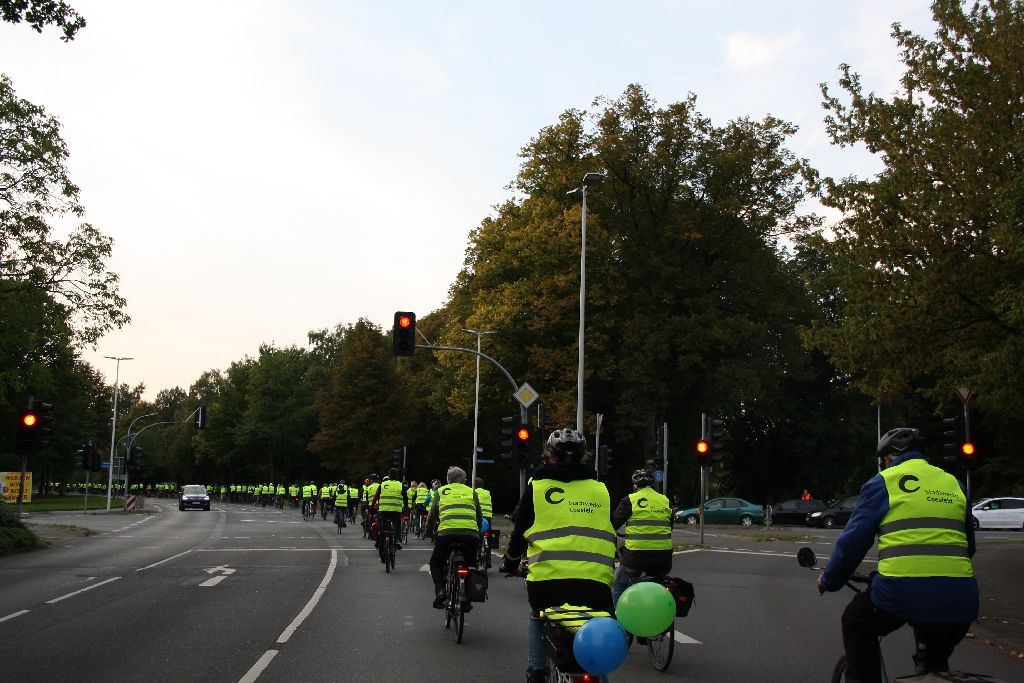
<point>87,588</point>
<point>14,614</point>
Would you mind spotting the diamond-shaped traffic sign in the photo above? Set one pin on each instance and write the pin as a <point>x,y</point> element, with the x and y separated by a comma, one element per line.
<point>526,395</point>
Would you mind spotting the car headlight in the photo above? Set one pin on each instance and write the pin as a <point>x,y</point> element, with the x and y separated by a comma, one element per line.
<point>184,499</point>
<point>206,498</point>
<point>815,514</point>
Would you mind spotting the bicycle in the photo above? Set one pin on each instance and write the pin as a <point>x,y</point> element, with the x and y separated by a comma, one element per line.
<point>558,639</point>
<point>484,551</point>
<point>806,558</point>
<point>387,548</point>
<point>324,508</point>
<point>456,599</point>
<point>405,530</point>
<point>307,510</point>
<point>767,515</point>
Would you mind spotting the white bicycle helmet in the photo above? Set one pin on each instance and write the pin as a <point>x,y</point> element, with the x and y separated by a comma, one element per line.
<point>567,443</point>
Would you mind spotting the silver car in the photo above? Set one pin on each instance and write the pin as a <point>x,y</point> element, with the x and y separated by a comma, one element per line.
<point>999,513</point>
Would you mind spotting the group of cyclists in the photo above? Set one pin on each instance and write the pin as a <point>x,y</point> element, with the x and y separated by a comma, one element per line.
<point>564,541</point>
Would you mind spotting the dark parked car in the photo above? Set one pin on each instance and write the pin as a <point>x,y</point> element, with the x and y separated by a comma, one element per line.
<point>836,514</point>
<point>796,511</point>
<point>194,496</point>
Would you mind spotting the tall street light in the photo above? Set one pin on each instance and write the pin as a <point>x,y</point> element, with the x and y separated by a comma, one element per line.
<point>113,424</point>
<point>589,180</point>
<point>476,402</point>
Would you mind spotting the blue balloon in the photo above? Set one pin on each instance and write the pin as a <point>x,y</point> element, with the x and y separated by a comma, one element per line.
<point>486,526</point>
<point>600,646</point>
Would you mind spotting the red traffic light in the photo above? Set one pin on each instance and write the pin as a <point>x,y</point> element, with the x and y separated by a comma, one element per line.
<point>29,420</point>
<point>404,321</point>
<point>967,448</point>
<point>702,446</point>
<point>523,434</point>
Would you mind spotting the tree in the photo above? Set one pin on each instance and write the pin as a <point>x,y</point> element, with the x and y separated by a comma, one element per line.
<point>361,415</point>
<point>691,304</point>
<point>34,190</point>
<point>40,13</point>
<point>929,256</point>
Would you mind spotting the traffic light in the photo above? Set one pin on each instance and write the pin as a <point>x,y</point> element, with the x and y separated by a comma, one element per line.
<point>968,453</point>
<point>403,334</point>
<point>200,417</point>
<point>396,459</point>
<point>952,436</point>
<point>508,430</point>
<point>543,418</point>
<point>134,463</point>
<point>522,444</point>
<point>702,448</point>
<point>34,427</point>
<point>716,434</point>
<point>604,459</point>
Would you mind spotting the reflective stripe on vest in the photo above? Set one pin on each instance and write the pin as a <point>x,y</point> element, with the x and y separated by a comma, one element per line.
<point>924,532</point>
<point>390,496</point>
<point>456,510</point>
<point>353,492</point>
<point>572,535</point>
<point>648,527</point>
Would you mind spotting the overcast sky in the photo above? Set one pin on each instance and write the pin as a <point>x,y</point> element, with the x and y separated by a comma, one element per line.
<point>263,167</point>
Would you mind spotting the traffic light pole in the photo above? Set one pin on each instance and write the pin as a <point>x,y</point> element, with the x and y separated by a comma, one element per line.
<point>967,439</point>
<point>515,387</point>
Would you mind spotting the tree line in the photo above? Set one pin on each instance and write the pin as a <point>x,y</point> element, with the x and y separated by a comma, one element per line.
<point>711,288</point>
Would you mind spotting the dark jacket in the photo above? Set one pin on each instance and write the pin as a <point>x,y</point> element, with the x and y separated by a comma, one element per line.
<point>928,599</point>
<point>650,561</point>
<point>554,593</point>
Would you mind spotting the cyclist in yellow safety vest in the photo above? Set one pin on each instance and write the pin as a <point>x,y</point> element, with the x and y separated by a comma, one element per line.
<point>353,501</point>
<point>391,500</point>
<point>422,493</point>
<point>309,494</point>
<point>370,491</point>
<point>454,519</point>
<point>326,497</point>
<point>564,529</point>
<point>340,504</point>
<point>486,511</point>
<point>920,515</point>
<point>647,551</point>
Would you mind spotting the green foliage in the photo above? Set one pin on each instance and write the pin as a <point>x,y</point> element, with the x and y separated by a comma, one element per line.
<point>929,257</point>
<point>40,13</point>
<point>34,189</point>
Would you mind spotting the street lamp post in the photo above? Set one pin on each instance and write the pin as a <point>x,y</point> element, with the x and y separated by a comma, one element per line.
<point>476,402</point>
<point>113,424</point>
<point>589,180</point>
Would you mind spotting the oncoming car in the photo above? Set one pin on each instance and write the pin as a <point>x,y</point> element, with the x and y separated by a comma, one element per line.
<point>724,511</point>
<point>837,514</point>
<point>194,496</point>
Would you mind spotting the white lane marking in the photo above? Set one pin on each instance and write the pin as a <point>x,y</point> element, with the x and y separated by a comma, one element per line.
<point>287,633</point>
<point>684,639</point>
<point>683,552</point>
<point>212,582</point>
<point>260,550</point>
<point>258,667</point>
<point>247,520</point>
<point>168,559</point>
<point>425,568</point>
<point>14,614</point>
<point>87,588</point>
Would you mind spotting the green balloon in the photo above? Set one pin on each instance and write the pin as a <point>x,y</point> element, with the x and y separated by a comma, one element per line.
<point>646,609</point>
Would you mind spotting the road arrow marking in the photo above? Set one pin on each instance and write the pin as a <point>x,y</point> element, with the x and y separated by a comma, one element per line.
<point>684,639</point>
<point>223,569</point>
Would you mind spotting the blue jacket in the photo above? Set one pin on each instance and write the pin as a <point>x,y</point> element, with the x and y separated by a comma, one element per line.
<point>936,599</point>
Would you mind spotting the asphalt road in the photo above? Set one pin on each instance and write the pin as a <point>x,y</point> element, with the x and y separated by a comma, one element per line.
<point>243,593</point>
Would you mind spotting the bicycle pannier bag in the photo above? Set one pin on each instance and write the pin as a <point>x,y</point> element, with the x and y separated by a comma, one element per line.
<point>682,591</point>
<point>476,585</point>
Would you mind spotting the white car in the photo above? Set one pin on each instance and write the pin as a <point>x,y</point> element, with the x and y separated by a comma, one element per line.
<point>999,513</point>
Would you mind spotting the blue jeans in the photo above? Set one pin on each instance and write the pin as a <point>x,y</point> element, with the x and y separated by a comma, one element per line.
<point>537,649</point>
<point>627,576</point>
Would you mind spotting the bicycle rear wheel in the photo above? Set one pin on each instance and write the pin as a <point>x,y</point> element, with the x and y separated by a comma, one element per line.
<point>661,647</point>
<point>391,551</point>
<point>839,673</point>
<point>459,617</point>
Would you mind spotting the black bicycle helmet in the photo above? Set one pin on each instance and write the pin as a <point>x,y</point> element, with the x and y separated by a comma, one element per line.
<point>567,443</point>
<point>642,478</point>
<point>899,440</point>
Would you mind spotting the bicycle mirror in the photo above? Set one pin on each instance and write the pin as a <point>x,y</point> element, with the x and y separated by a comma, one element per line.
<point>805,556</point>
